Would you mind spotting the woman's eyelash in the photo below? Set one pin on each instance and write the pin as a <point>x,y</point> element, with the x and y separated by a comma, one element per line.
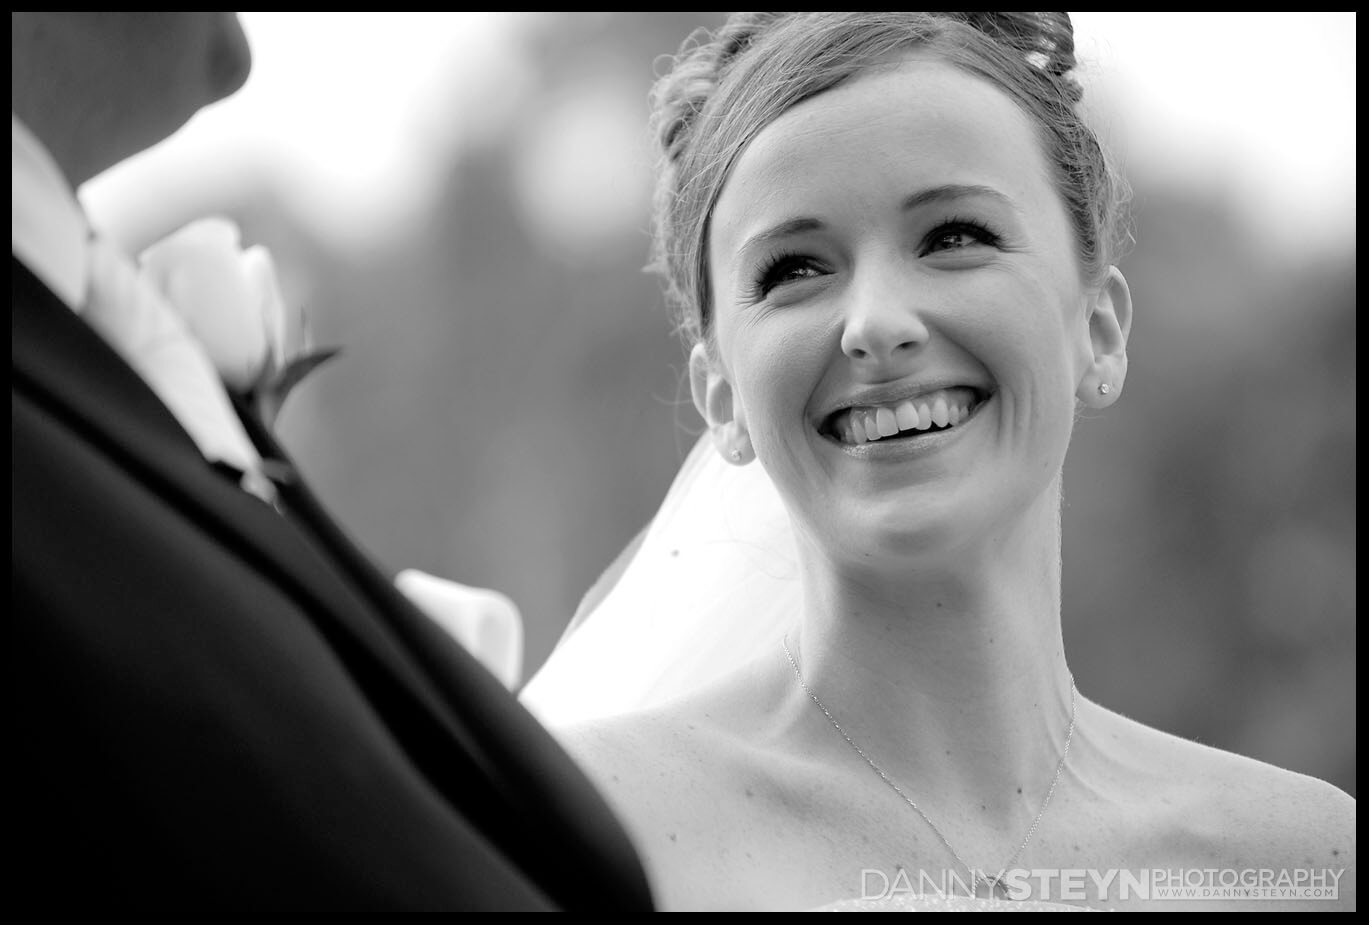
<point>967,226</point>
<point>772,272</point>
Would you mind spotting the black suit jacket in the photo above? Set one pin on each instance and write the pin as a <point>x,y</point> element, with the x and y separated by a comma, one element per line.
<point>214,703</point>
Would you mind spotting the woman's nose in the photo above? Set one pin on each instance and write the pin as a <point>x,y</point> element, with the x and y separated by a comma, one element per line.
<point>883,321</point>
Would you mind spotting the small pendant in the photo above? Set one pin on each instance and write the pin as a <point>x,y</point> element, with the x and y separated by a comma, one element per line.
<point>992,885</point>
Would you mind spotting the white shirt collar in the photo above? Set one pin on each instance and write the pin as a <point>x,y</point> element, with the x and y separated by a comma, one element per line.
<point>50,228</point>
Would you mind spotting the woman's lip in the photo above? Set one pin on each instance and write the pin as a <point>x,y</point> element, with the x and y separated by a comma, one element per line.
<point>961,395</point>
<point>904,445</point>
<point>890,398</point>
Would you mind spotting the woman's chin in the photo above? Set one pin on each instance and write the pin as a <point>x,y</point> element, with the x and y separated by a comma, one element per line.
<point>886,535</point>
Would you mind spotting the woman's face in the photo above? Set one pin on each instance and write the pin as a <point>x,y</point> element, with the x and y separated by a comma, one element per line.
<point>901,321</point>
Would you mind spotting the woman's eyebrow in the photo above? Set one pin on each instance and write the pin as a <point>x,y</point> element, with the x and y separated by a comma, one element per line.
<point>934,194</point>
<point>784,229</point>
<point>957,191</point>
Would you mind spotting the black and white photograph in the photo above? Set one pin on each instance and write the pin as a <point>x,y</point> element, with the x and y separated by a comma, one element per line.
<point>662,461</point>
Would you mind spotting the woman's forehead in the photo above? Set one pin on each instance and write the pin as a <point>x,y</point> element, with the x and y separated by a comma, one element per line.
<point>917,123</point>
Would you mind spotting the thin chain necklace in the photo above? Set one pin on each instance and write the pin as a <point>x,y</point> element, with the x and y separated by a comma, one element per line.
<point>976,877</point>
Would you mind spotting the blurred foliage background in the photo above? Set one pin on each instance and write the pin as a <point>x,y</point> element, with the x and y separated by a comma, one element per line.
<point>510,405</point>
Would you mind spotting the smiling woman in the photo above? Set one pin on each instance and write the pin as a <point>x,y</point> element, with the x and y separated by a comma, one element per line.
<point>911,201</point>
<point>890,238</point>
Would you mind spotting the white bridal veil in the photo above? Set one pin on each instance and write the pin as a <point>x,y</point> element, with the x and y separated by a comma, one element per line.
<point>713,582</point>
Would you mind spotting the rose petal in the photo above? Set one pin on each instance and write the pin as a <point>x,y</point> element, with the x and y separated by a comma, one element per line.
<point>215,235</point>
<point>296,337</point>
<point>200,271</point>
<point>260,271</point>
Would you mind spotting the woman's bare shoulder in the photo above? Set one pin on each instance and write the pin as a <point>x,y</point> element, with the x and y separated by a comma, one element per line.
<point>672,776</point>
<point>1253,795</point>
<point>693,742</point>
<point>647,743</point>
<point>1230,811</point>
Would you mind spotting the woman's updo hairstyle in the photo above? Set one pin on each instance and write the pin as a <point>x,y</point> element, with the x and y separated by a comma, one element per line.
<point>726,87</point>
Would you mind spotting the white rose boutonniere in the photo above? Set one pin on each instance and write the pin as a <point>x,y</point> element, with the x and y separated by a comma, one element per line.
<point>230,299</point>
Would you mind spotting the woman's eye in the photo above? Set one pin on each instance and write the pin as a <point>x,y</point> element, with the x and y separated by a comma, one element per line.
<point>950,240</point>
<point>788,269</point>
<point>791,270</point>
<point>955,236</point>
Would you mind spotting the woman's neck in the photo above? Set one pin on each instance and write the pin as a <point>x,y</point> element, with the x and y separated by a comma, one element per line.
<point>953,674</point>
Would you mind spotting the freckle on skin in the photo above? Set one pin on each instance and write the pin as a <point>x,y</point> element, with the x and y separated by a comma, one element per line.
<point>1019,789</point>
<point>1335,852</point>
<point>672,836</point>
<point>749,793</point>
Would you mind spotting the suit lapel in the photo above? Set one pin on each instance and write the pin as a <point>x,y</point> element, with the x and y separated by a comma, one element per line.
<point>465,734</point>
<point>63,365</point>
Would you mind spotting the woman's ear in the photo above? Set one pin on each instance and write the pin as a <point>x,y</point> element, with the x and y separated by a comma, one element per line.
<point>717,402</point>
<point>1109,322</point>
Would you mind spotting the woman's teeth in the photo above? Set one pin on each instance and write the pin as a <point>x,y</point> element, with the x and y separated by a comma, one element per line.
<point>942,409</point>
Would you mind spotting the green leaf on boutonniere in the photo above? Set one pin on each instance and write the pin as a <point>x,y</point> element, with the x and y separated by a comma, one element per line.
<point>269,396</point>
<point>301,366</point>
